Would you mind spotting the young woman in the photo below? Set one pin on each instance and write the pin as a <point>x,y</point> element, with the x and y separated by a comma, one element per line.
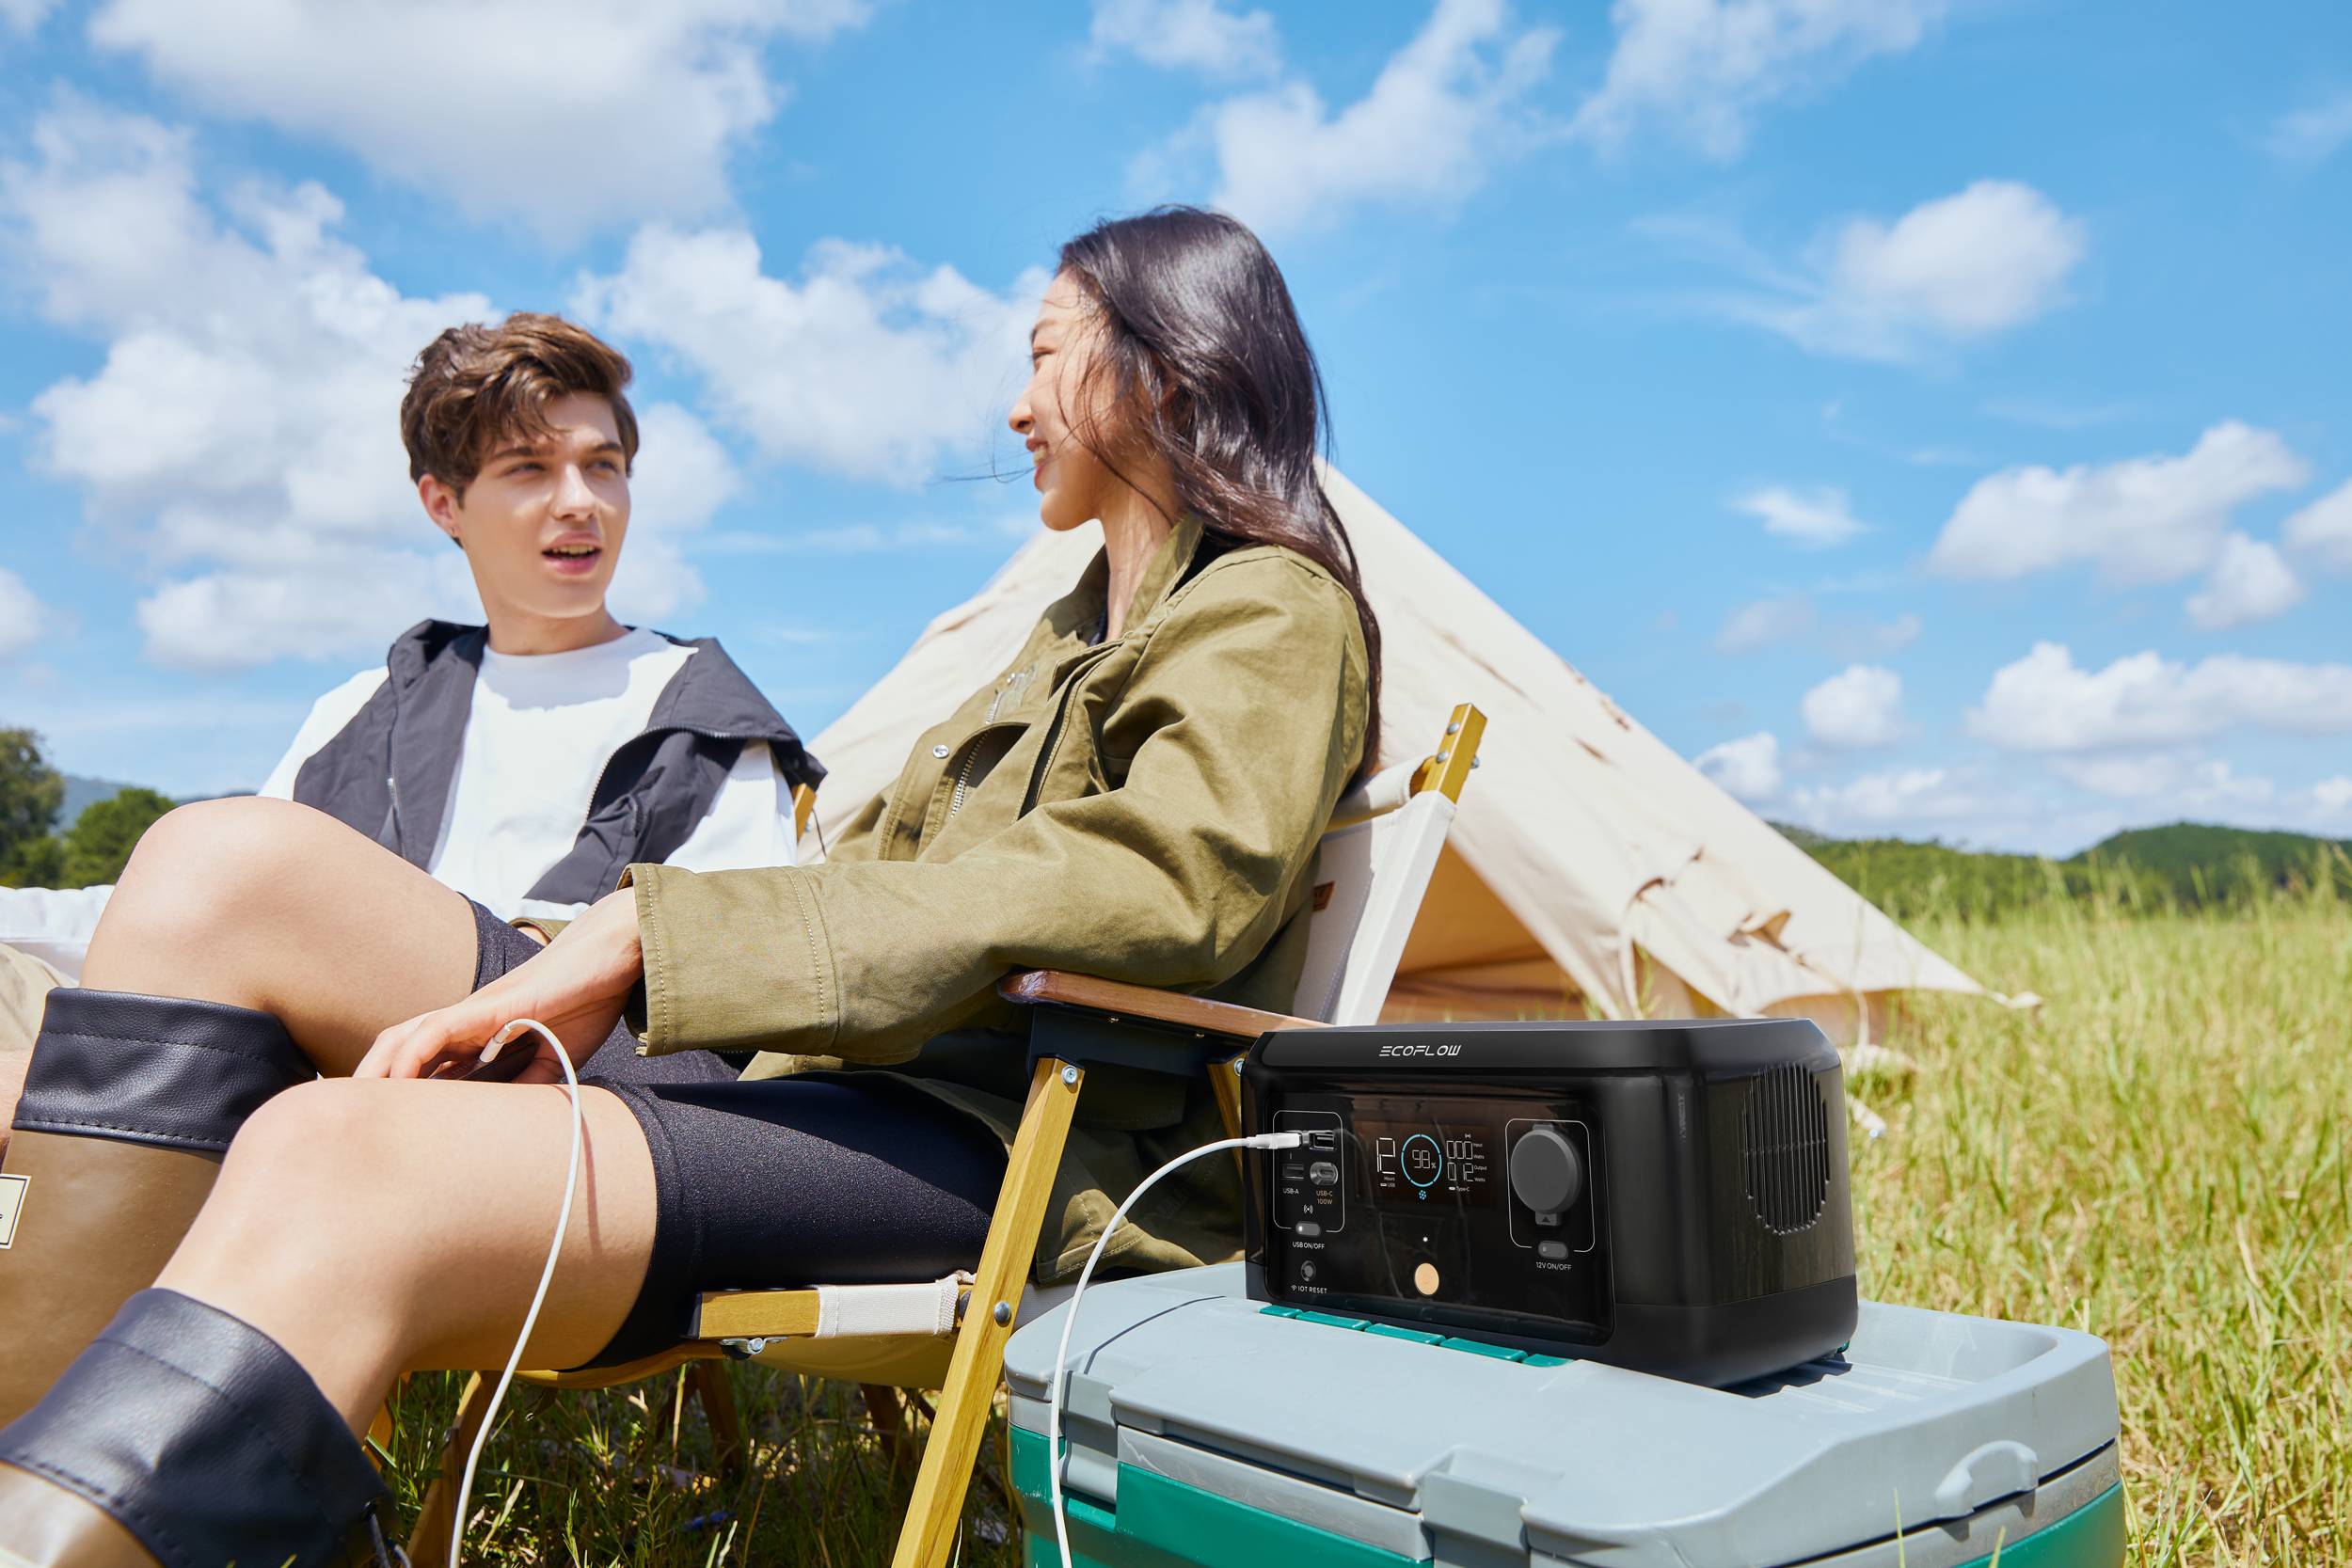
<point>1138,795</point>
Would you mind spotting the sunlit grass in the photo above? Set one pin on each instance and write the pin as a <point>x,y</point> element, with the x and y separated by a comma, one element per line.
<point>618,1478</point>
<point>2157,1155</point>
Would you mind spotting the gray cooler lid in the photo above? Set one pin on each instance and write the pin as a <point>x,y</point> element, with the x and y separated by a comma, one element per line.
<point>1933,1417</point>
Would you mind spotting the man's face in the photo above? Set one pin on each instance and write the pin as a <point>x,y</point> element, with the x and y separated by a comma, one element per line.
<point>542,523</point>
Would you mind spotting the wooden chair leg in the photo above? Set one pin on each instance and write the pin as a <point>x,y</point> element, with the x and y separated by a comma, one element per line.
<point>380,1430</point>
<point>889,1416</point>
<point>716,1390</point>
<point>428,1543</point>
<point>928,1539</point>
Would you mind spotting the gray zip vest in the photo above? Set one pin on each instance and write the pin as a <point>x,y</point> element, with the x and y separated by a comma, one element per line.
<point>388,772</point>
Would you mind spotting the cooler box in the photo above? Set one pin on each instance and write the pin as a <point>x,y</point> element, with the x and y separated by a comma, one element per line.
<point>1205,1429</point>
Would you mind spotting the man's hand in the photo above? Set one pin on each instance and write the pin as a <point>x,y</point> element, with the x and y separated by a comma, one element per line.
<point>574,986</point>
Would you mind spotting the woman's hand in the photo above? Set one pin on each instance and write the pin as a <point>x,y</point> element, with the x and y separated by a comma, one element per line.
<point>576,986</point>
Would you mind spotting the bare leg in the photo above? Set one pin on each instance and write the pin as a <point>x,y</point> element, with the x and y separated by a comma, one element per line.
<point>372,1228</point>
<point>270,905</point>
<point>358,1227</point>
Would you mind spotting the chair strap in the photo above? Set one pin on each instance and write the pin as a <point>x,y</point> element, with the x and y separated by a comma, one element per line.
<point>855,1311</point>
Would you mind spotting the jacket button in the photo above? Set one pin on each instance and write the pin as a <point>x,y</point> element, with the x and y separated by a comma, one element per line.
<point>938,751</point>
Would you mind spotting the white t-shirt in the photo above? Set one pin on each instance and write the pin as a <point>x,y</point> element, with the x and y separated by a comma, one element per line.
<point>537,736</point>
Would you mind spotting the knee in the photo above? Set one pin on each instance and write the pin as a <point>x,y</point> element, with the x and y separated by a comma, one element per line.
<point>310,1207</point>
<point>312,1140</point>
<point>308,1172</point>
<point>215,859</point>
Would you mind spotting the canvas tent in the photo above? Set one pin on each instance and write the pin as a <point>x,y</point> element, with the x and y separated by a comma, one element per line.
<point>1592,868</point>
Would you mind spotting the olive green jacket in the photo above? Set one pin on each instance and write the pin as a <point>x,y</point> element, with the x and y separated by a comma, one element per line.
<point>1144,808</point>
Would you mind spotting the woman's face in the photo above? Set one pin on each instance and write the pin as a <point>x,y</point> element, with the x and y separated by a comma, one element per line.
<point>1067,399</point>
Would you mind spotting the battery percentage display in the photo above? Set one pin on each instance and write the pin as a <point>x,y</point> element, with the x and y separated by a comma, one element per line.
<point>1421,1163</point>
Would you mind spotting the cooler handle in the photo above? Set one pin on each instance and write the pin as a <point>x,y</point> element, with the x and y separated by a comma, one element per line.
<point>1988,1474</point>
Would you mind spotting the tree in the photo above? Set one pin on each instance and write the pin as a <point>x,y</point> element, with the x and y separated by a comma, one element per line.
<point>30,793</point>
<point>99,843</point>
<point>35,862</point>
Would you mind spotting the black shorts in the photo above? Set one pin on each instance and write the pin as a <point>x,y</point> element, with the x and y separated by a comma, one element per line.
<point>784,1181</point>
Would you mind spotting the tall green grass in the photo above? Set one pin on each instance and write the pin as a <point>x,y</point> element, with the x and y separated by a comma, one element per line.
<point>2158,1155</point>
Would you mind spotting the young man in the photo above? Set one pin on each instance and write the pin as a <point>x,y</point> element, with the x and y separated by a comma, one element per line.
<point>527,761</point>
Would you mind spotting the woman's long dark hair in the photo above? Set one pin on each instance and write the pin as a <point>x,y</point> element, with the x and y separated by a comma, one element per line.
<point>1213,374</point>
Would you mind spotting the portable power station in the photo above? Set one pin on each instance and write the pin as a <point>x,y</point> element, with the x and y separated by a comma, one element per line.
<point>1665,1196</point>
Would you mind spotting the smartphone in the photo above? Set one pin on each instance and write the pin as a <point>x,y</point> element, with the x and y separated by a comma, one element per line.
<point>512,1057</point>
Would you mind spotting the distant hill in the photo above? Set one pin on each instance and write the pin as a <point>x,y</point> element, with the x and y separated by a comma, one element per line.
<point>2187,865</point>
<point>2201,862</point>
<point>81,792</point>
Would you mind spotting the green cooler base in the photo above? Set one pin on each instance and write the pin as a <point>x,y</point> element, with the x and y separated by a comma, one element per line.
<point>1161,1523</point>
<point>1207,1433</point>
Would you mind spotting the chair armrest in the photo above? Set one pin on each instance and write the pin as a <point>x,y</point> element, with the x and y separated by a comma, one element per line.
<point>1059,988</point>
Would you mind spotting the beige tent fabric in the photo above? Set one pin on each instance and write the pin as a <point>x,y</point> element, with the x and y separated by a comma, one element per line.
<point>1590,868</point>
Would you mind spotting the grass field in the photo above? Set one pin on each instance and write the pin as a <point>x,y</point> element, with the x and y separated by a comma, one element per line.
<point>2157,1155</point>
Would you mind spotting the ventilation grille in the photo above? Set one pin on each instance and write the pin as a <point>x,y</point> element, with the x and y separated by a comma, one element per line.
<point>1785,1136</point>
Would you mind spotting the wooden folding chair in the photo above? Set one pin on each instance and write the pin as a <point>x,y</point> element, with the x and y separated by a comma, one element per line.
<point>1372,868</point>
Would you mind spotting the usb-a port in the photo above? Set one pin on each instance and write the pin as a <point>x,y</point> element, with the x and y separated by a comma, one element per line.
<point>1323,1138</point>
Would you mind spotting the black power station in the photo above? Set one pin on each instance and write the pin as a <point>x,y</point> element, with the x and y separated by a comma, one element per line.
<point>1665,1196</point>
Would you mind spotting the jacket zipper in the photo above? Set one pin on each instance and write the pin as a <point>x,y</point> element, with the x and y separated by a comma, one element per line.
<point>1053,732</point>
<point>972,757</point>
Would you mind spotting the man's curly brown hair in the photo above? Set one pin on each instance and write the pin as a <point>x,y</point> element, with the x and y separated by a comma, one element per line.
<point>476,387</point>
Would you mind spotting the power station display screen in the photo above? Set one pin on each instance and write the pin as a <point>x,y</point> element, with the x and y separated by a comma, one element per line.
<point>1415,1155</point>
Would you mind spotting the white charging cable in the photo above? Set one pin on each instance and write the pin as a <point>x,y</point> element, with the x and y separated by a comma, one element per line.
<point>1070,1316</point>
<point>538,1297</point>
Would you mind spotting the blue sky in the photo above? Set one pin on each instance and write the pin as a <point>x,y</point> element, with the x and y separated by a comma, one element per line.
<point>1928,414</point>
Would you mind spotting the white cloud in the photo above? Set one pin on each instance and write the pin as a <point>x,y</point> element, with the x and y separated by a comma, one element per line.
<point>2183,782</point>
<point>1963,266</point>
<point>350,603</point>
<point>2323,530</point>
<point>1794,618</point>
<point>1702,69</point>
<point>1199,35</point>
<point>21,615</point>
<point>1816,518</point>
<point>855,539</point>
<point>1896,635</point>
<point>867,366</point>
<point>1859,707</point>
<point>1913,798</point>
<point>683,475</point>
<point>24,15</point>
<point>1748,767</point>
<point>2171,785</point>
<point>240,440</point>
<point>2144,519</point>
<point>2251,581</point>
<point>1766,622</point>
<point>568,112</point>
<point>2044,702</point>
<point>2312,135</point>
<point>1442,110</point>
